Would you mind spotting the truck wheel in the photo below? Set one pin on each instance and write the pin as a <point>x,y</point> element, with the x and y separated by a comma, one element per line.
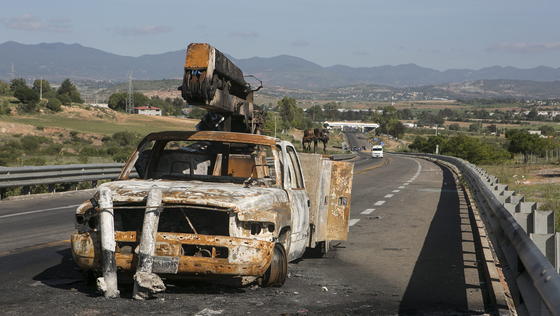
<point>277,272</point>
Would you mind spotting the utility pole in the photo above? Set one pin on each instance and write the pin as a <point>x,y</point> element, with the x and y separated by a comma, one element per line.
<point>13,73</point>
<point>130,96</point>
<point>274,126</point>
<point>41,89</point>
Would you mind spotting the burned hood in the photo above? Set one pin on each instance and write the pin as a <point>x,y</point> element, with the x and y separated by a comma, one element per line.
<point>226,195</point>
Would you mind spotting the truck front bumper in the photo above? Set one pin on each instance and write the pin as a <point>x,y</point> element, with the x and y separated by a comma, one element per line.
<point>243,257</point>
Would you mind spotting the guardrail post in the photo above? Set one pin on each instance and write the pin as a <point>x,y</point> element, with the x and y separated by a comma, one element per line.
<point>26,190</point>
<point>557,249</point>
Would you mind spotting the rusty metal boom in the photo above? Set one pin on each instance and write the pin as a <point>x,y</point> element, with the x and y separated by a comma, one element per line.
<point>212,81</point>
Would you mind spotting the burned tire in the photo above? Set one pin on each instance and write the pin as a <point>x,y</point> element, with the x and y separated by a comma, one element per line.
<point>277,272</point>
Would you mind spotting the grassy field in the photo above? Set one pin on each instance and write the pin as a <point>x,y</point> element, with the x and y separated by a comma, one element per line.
<point>102,123</point>
<point>76,135</point>
<point>537,182</point>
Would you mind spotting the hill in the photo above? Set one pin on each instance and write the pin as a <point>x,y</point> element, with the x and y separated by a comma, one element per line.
<point>56,61</point>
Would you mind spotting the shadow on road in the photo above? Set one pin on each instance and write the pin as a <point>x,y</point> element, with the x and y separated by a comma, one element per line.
<point>66,275</point>
<point>437,283</point>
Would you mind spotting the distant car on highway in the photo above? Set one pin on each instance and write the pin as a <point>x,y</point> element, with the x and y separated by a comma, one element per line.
<point>377,151</point>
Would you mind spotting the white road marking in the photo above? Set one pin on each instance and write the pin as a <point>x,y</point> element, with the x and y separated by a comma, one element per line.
<point>406,183</point>
<point>401,187</point>
<point>396,191</point>
<point>388,196</point>
<point>353,221</point>
<point>367,211</point>
<point>378,203</point>
<point>39,211</point>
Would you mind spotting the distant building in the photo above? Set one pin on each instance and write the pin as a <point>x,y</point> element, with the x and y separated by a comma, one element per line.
<point>410,125</point>
<point>147,110</point>
<point>100,105</point>
<point>535,132</point>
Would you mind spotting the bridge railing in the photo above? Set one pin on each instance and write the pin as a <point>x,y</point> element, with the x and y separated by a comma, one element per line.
<point>524,235</point>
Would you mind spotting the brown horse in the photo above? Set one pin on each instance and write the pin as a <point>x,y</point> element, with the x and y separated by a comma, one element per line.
<point>308,138</point>
<point>320,134</point>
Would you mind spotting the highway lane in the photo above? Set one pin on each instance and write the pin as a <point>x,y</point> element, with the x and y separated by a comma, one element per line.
<point>403,256</point>
<point>38,219</point>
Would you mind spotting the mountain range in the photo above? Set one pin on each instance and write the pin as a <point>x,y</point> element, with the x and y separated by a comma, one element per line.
<point>57,61</point>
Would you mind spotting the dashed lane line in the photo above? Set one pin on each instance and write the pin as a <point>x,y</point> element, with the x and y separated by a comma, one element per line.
<point>388,196</point>
<point>367,211</point>
<point>379,203</point>
<point>353,221</point>
<point>401,187</point>
<point>396,191</point>
<point>39,211</point>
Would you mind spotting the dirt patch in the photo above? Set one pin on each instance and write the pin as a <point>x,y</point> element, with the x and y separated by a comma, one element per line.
<point>541,176</point>
<point>7,128</point>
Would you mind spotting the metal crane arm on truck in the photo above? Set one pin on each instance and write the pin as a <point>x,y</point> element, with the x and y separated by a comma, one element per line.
<point>212,81</point>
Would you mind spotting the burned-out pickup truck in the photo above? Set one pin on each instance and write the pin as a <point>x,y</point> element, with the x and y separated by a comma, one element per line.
<point>211,204</point>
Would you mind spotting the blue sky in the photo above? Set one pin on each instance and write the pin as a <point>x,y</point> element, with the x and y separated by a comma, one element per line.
<point>440,34</point>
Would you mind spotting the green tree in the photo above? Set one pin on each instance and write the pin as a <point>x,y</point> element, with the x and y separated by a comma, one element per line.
<point>520,141</point>
<point>42,84</point>
<point>454,127</point>
<point>315,113</point>
<point>428,118</point>
<point>4,88</point>
<point>68,89</point>
<point>330,111</point>
<point>287,109</point>
<point>548,130</point>
<point>17,83</point>
<point>392,126</point>
<point>533,115</point>
<point>27,97</point>
<point>117,101</point>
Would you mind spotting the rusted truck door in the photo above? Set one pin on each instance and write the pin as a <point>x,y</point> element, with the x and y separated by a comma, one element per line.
<point>339,200</point>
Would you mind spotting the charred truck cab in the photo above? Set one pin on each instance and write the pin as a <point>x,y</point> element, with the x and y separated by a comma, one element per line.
<point>211,203</point>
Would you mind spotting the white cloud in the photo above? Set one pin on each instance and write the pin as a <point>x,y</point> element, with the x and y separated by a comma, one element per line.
<point>28,22</point>
<point>141,30</point>
<point>524,47</point>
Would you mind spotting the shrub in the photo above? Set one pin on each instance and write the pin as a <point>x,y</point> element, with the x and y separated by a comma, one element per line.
<point>31,143</point>
<point>54,105</point>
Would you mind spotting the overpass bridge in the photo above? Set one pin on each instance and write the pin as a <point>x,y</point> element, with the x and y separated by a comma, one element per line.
<point>417,246</point>
<point>347,125</point>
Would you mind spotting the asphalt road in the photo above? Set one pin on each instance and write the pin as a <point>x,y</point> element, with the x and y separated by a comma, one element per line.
<point>404,256</point>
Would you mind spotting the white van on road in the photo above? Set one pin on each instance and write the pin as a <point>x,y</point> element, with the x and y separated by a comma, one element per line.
<point>377,151</point>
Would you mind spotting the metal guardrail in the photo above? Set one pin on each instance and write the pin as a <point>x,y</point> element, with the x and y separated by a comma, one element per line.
<point>524,235</point>
<point>343,156</point>
<point>28,176</point>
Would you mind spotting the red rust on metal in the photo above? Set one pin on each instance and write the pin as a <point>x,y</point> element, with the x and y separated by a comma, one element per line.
<point>339,205</point>
<point>228,137</point>
<point>248,263</point>
<point>197,56</point>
